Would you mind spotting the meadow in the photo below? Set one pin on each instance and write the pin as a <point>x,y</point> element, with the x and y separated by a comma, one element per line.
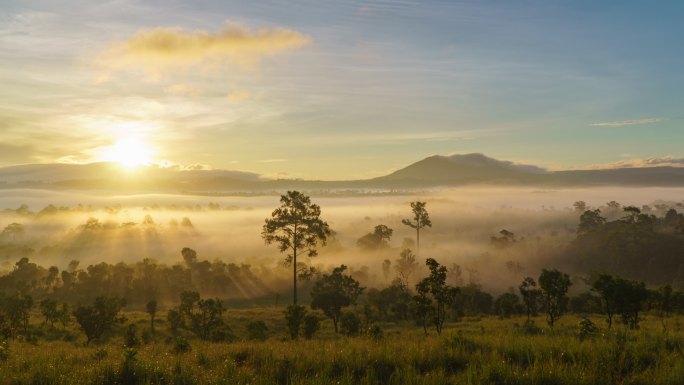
<point>474,350</point>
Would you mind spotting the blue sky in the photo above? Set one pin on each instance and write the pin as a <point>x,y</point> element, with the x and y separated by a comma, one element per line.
<point>329,90</point>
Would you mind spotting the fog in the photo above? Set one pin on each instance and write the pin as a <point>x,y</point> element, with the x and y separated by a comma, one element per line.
<point>93,228</point>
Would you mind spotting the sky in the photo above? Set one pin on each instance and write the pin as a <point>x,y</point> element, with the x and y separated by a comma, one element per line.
<point>340,89</point>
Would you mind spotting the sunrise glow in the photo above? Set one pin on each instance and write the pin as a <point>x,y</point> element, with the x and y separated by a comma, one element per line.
<point>130,152</point>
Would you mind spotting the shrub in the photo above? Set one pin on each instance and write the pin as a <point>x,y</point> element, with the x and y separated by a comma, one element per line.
<point>350,324</point>
<point>131,339</point>
<point>311,325</point>
<point>181,345</point>
<point>587,329</point>
<point>257,330</point>
<point>294,315</point>
<point>375,331</point>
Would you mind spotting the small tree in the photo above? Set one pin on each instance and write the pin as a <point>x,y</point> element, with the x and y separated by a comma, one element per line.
<point>631,296</point>
<point>294,316</point>
<point>421,219</point>
<point>530,296</point>
<point>98,318</point>
<point>49,310</point>
<point>350,324</point>
<point>311,325</point>
<point>131,339</point>
<point>405,266</point>
<point>334,291</point>
<point>605,286</point>
<point>257,330</point>
<point>17,309</point>
<point>506,304</point>
<point>434,295</point>
<point>664,303</point>
<point>379,238</point>
<point>296,227</point>
<point>554,287</point>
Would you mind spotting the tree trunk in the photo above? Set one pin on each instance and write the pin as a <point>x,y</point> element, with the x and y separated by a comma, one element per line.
<point>294,268</point>
<point>417,238</point>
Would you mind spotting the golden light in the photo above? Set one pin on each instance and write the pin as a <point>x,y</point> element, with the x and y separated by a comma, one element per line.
<point>129,152</point>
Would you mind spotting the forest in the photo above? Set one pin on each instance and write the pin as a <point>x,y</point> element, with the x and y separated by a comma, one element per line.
<point>615,283</point>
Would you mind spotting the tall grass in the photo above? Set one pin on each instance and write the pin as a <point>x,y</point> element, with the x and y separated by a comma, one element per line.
<point>476,351</point>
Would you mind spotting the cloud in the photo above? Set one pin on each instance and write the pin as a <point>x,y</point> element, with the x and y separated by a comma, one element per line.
<point>661,161</point>
<point>633,122</point>
<point>159,50</point>
<point>272,160</point>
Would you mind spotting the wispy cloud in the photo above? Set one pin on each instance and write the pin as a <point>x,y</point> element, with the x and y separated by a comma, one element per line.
<point>272,160</point>
<point>632,122</point>
<point>162,49</point>
<point>660,161</point>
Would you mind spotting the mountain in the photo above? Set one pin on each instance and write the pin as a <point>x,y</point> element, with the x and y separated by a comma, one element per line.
<point>431,172</point>
<point>463,169</point>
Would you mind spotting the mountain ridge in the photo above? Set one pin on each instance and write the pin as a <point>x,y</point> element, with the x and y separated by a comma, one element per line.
<point>430,172</point>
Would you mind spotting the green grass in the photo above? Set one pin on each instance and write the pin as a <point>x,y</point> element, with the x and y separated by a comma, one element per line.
<point>473,351</point>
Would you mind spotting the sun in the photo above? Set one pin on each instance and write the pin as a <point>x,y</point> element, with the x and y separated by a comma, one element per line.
<point>130,152</point>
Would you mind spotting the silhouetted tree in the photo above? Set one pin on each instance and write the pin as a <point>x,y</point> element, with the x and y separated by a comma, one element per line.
<point>380,237</point>
<point>606,287</point>
<point>13,231</point>
<point>296,227</point>
<point>335,291</point>
<point>506,304</point>
<point>99,317</point>
<point>590,221</point>
<point>554,286</point>
<point>580,206</point>
<point>530,295</point>
<point>631,298</point>
<point>421,219</point>
<point>506,239</point>
<point>434,296</point>
<point>49,310</point>
<point>294,316</point>
<point>204,317</point>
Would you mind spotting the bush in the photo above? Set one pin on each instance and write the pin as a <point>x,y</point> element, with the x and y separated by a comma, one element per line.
<point>530,328</point>
<point>257,330</point>
<point>375,331</point>
<point>311,325</point>
<point>181,345</point>
<point>131,339</point>
<point>294,315</point>
<point>587,329</point>
<point>350,324</point>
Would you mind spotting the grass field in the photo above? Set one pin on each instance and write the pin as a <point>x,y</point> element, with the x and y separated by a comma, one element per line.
<point>473,351</point>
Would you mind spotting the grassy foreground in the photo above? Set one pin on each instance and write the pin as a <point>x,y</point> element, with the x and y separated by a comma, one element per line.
<point>474,351</point>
